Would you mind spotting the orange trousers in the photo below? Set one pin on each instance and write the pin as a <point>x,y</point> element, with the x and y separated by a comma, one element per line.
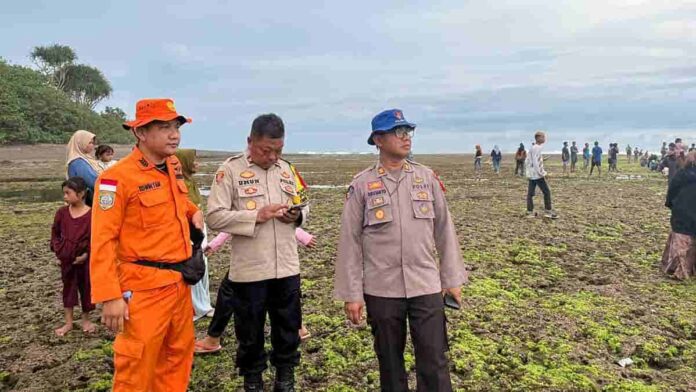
<point>155,350</point>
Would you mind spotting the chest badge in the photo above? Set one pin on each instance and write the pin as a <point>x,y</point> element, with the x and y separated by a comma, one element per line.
<point>424,209</point>
<point>250,191</point>
<point>377,201</point>
<point>422,195</point>
<point>285,174</point>
<point>379,214</point>
<point>247,174</point>
<point>250,205</point>
<point>418,180</point>
<point>374,185</point>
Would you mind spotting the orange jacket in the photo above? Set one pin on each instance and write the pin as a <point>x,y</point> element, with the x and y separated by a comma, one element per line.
<point>140,213</point>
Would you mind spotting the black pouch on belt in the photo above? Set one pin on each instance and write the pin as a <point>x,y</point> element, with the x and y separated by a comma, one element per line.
<point>191,269</point>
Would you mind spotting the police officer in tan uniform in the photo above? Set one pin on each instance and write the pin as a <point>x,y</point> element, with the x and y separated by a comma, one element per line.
<point>394,228</point>
<point>252,198</point>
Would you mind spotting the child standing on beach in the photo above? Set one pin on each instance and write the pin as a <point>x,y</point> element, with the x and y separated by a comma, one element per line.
<point>70,236</point>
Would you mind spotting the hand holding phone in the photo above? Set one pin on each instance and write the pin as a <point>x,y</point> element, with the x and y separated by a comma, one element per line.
<point>297,206</point>
<point>450,302</point>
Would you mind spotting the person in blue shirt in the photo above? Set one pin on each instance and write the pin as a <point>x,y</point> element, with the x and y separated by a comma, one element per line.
<point>496,157</point>
<point>596,159</point>
<point>80,162</point>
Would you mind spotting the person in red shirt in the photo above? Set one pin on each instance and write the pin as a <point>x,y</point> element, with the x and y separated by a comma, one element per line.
<point>70,243</point>
<point>140,234</point>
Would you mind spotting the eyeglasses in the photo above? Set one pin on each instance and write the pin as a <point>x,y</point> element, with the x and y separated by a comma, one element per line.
<point>403,132</point>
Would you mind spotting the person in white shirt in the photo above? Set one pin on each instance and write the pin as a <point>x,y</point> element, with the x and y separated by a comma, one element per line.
<point>537,177</point>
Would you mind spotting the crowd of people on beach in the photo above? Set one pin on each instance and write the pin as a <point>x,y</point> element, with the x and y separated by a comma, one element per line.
<point>668,159</point>
<point>676,161</point>
<point>132,237</point>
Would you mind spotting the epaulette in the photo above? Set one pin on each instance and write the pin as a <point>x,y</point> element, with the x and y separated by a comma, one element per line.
<point>355,177</point>
<point>233,157</point>
<point>415,163</point>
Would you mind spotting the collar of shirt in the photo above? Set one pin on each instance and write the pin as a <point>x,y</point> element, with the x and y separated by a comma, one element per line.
<point>380,171</point>
<point>249,162</point>
<point>143,163</point>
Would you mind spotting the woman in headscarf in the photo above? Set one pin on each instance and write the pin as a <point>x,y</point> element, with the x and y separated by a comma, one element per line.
<point>200,293</point>
<point>679,257</point>
<point>80,162</point>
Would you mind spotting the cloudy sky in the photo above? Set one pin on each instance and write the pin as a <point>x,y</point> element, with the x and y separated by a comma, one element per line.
<point>467,72</point>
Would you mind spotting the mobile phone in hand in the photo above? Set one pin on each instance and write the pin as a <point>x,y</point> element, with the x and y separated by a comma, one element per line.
<point>450,302</point>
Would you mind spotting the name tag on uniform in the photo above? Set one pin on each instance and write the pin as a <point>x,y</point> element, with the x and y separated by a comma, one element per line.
<point>149,186</point>
<point>377,201</point>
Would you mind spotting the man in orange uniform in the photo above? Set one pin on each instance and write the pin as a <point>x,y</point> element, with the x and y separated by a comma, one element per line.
<point>143,214</point>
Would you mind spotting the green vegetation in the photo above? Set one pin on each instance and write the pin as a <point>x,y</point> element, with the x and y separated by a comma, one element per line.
<point>48,105</point>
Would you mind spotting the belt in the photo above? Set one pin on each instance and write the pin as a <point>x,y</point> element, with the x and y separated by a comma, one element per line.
<point>161,265</point>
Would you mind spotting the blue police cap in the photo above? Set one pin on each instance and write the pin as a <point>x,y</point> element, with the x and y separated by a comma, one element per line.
<point>386,121</point>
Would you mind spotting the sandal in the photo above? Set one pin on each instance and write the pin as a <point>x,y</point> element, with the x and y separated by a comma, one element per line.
<point>199,348</point>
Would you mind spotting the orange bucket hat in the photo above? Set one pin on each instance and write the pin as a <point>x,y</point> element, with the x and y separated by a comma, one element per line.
<point>149,110</point>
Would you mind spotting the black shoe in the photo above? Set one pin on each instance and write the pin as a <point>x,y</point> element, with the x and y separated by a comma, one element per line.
<point>253,386</point>
<point>284,386</point>
<point>253,383</point>
<point>285,380</point>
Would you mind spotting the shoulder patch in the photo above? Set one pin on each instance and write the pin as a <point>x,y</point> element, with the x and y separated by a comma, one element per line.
<point>107,193</point>
<point>349,192</point>
<point>219,176</point>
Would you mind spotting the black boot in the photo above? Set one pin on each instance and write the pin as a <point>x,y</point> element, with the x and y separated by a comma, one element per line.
<point>285,380</point>
<point>253,383</point>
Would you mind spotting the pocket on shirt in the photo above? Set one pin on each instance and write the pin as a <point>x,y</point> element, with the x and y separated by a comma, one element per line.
<point>378,210</point>
<point>422,201</point>
<point>251,198</point>
<point>157,208</point>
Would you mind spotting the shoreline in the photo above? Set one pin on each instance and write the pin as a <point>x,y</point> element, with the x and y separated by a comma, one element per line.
<point>20,152</point>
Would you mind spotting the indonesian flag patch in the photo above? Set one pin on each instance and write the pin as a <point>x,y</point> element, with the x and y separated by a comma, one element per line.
<point>107,193</point>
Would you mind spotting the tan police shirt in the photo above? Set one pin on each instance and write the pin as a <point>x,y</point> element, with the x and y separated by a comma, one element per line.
<point>260,251</point>
<point>392,232</point>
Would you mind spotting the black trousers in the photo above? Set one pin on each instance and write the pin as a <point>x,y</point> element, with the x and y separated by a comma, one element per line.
<point>541,183</point>
<point>224,308</point>
<point>426,320</point>
<point>519,167</point>
<point>280,298</point>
